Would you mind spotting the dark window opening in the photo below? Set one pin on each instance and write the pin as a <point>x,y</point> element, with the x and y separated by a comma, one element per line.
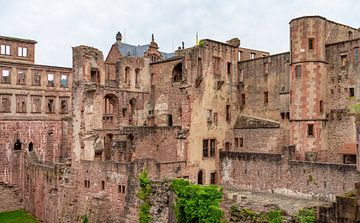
<point>266,98</point>
<point>17,145</point>
<point>36,79</point>
<point>212,147</point>
<point>200,177</point>
<point>349,159</point>
<point>351,92</point>
<point>119,189</point>
<point>63,106</point>
<point>229,68</point>
<point>241,142</point>
<point>236,142</point>
<point>310,130</point>
<point>31,145</point>
<point>243,99</point>
<point>127,75</point>
<point>169,120</point>
<point>87,183</point>
<point>123,189</point>
<point>282,115</point>
<point>205,148</point>
<point>5,103</point>
<point>213,178</point>
<point>21,77</point>
<point>124,111</point>
<point>311,43</point>
<point>50,106</point>
<point>177,73</point>
<point>321,107</point>
<point>287,114</point>
<point>103,185</point>
<point>228,113</point>
<point>137,77</point>
<point>227,146</point>
<point>95,77</point>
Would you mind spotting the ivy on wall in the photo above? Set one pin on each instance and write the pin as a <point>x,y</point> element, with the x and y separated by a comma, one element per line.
<point>144,193</point>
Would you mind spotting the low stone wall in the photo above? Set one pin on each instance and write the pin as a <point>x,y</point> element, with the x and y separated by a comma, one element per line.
<point>277,173</point>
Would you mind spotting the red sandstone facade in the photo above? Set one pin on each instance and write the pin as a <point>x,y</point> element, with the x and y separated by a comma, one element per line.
<point>74,139</point>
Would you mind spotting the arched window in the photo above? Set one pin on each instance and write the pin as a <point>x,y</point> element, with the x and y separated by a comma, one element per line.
<point>177,73</point>
<point>17,145</point>
<point>132,103</point>
<point>110,103</point>
<point>200,177</point>
<point>127,75</point>
<point>31,145</point>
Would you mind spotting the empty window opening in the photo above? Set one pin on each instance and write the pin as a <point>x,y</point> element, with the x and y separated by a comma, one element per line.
<point>5,50</point>
<point>227,146</point>
<point>229,68</point>
<point>205,148</point>
<point>236,142</point>
<point>21,78</point>
<point>180,112</point>
<point>36,104</point>
<point>50,108</point>
<point>344,59</point>
<point>50,80</point>
<point>5,77</point>
<point>321,105</point>
<point>351,92</point>
<point>103,185</point>
<point>213,178</point>
<point>200,177</point>
<point>252,55</point>
<point>241,142</point>
<point>119,189</point>
<point>199,68</point>
<point>124,111</point>
<point>266,98</point>
<point>132,103</point>
<point>298,71</point>
<point>310,130</point>
<point>212,147</point>
<point>287,115</point>
<point>177,73</point>
<point>169,120</point>
<point>21,104</point>
<point>95,76</point>
<point>228,113</point>
<point>311,43</point>
<point>242,99</point>
<point>17,145</point>
<point>31,146</point>
<point>64,106</point>
<point>282,115</point>
<point>36,81</point>
<point>349,159</point>
<point>63,81</point>
<point>87,183</point>
<point>110,104</point>
<point>5,103</point>
<point>123,189</point>
<point>137,77</point>
<point>127,76</point>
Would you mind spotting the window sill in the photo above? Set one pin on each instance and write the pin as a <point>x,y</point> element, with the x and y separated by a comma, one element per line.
<point>36,85</point>
<point>5,111</point>
<point>35,112</point>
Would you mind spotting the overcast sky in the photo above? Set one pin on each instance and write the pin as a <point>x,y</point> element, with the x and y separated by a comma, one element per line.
<point>59,25</point>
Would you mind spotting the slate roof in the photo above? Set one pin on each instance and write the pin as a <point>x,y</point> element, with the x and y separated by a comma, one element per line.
<point>138,51</point>
<point>250,122</point>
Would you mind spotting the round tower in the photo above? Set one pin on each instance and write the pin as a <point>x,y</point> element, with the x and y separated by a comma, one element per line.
<point>308,87</point>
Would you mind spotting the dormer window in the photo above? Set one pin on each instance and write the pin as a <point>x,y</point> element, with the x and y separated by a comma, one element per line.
<point>5,50</point>
<point>22,51</point>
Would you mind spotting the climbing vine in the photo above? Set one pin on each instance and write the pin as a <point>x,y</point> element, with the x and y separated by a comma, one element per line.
<point>197,203</point>
<point>144,193</point>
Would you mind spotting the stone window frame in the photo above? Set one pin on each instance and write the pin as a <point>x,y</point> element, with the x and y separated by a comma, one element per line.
<point>310,130</point>
<point>50,83</point>
<point>47,98</point>
<point>33,74</point>
<point>19,81</point>
<point>5,50</point>
<point>8,79</point>
<point>64,84</point>
<point>32,107</point>
<point>22,51</point>
<point>311,43</point>
<point>18,108</point>
<point>207,150</point>
<point>9,97</point>
<point>67,99</point>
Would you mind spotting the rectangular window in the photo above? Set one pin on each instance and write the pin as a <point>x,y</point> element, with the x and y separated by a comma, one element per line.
<point>36,104</point>
<point>21,78</point>
<point>236,142</point>
<point>344,59</point>
<point>103,185</point>
<point>63,105</point>
<point>50,105</point>
<point>5,50</point>
<point>212,147</point>
<point>87,183</point>
<point>123,189</point>
<point>252,55</point>
<point>356,55</point>
<point>22,51</point>
<point>266,98</point>
<point>63,81</point>
<point>5,103</point>
<point>311,43</point>
<point>21,104</point>
<point>227,146</point>
<point>243,99</point>
<point>50,80</point>
<point>205,148</point>
<point>5,77</point>
<point>321,104</point>
<point>36,81</point>
<point>229,68</point>
<point>298,71</point>
<point>228,113</point>
<point>310,130</point>
<point>351,92</point>
<point>241,142</point>
<point>213,178</point>
<point>209,115</point>
<point>119,189</point>
<point>215,118</point>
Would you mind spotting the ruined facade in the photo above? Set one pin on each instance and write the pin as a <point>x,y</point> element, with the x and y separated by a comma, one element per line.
<point>75,139</point>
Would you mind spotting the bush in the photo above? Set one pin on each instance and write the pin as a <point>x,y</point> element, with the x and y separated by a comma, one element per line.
<point>144,193</point>
<point>306,216</point>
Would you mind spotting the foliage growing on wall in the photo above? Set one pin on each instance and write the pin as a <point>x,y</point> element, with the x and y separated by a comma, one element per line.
<point>307,215</point>
<point>85,219</point>
<point>248,215</point>
<point>355,108</point>
<point>144,193</point>
<point>197,203</point>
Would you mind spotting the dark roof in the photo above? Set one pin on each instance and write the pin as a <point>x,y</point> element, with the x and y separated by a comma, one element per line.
<point>18,39</point>
<point>138,51</point>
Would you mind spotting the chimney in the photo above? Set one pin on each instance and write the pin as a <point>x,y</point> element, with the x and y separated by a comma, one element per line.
<point>183,45</point>
<point>118,38</point>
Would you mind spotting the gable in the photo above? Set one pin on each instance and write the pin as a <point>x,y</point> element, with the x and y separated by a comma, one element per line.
<point>113,54</point>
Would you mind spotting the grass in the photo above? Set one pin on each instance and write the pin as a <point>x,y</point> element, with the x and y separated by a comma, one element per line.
<point>17,217</point>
